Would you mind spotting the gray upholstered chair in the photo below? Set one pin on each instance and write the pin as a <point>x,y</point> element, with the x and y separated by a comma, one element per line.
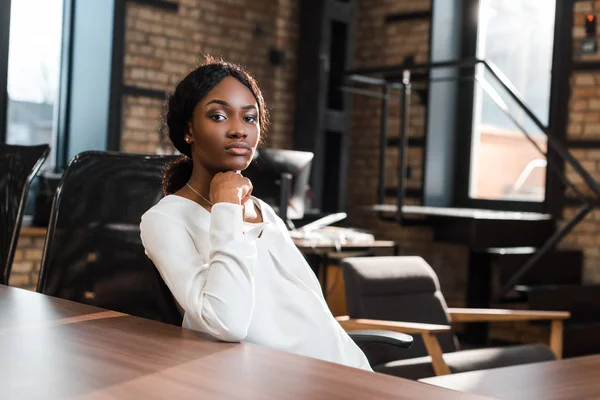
<point>403,294</point>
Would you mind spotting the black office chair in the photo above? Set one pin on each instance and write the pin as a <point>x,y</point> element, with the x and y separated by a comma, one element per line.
<point>93,252</point>
<point>18,166</point>
<point>406,289</point>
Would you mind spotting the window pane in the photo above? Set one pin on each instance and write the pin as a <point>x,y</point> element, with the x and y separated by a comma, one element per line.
<point>516,36</point>
<point>33,71</point>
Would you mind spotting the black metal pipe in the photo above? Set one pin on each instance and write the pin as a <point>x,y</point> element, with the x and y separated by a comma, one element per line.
<point>568,157</point>
<point>547,246</point>
<point>397,85</point>
<point>465,63</point>
<point>383,144</point>
<point>513,93</point>
<point>358,75</point>
<point>368,80</point>
<point>402,159</point>
<point>505,83</point>
<point>368,93</point>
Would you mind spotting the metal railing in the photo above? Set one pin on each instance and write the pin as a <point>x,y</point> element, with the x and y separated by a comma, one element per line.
<point>362,76</point>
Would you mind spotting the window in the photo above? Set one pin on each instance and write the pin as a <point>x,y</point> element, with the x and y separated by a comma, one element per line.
<point>516,36</point>
<point>33,72</point>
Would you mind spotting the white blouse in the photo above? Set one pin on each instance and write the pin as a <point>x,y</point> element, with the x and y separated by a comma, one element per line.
<point>237,286</point>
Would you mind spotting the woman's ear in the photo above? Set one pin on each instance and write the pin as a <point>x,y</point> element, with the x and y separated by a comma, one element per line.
<point>188,136</point>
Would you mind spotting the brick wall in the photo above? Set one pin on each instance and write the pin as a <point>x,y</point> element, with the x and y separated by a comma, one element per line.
<point>28,256</point>
<point>377,44</point>
<point>584,124</point>
<point>162,46</point>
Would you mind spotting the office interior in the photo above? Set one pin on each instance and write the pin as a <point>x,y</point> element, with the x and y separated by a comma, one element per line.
<point>437,162</point>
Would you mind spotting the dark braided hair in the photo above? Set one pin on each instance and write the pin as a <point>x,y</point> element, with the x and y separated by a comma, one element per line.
<point>180,108</point>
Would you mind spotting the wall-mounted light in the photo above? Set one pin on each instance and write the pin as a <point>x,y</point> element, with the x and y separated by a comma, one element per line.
<point>590,25</point>
<point>589,44</point>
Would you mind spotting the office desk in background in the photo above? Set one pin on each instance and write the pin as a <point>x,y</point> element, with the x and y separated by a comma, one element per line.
<point>56,349</point>
<point>320,254</point>
<point>310,247</point>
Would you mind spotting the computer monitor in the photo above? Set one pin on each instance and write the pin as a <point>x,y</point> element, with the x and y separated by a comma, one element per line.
<point>280,178</point>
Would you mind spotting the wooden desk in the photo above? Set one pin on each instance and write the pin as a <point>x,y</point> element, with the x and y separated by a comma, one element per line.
<point>56,349</point>
<point>574,378</point>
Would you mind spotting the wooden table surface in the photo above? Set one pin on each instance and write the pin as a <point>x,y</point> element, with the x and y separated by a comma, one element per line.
<point>56,349</point>
<point>573,378</point>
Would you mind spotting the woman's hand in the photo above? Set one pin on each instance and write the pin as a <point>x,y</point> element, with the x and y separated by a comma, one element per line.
<point>230,187</point>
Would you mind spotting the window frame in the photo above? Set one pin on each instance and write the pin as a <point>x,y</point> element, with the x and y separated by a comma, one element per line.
<point>61,110</point>
<point>5,7</point>
<point>558,109</point>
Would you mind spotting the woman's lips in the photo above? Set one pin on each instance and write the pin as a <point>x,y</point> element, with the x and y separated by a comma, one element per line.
<point>238,151</point>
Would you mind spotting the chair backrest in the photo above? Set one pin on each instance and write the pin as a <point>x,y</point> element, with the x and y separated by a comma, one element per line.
<point>18,167</point>
<point>396,289</point>
<point>93,252</point>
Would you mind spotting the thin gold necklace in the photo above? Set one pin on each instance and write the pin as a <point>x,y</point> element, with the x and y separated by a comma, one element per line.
<point>210,202</point>
<point>203,198</point>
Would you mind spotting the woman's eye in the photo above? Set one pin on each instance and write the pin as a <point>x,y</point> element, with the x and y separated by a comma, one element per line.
<point>218,117</point>
<point>250,119</point>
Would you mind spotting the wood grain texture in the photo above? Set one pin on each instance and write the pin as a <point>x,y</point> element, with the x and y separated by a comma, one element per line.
<point>556,338</point>
<point>403,327</point>
<point>62,321</point>
<point>22,307</point>
<point>125,357</point>
<point>435,352</point>
<point>497,315</point>
<point>574,378</point>
<point>427,332</point>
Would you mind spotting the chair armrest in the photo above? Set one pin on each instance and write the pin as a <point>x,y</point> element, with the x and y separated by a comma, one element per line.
<point>498,315</point>
<point>350,324</point>
<point>368,337</point>
<point>427,332</point>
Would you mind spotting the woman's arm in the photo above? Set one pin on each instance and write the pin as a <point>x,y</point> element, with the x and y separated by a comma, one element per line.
<point>219,294</point>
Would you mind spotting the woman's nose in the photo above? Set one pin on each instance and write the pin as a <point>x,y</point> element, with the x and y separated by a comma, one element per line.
<point>237,130</point>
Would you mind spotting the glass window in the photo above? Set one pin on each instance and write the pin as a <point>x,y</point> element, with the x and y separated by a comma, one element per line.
<point>517,36</point>
<point>33,72</point>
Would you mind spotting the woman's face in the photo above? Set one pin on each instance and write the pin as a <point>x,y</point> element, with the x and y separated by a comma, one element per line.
<point>224,131</point>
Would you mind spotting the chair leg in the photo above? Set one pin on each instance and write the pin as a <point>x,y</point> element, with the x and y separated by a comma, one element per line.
<point>435,352</point>
<point>556,338</point>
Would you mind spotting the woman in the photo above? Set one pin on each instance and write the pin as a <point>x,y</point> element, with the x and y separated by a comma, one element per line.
<point>225,255</point>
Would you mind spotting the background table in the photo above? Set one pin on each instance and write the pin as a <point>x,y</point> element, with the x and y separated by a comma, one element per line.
<point>320,254</point>
<point>574,378</point>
